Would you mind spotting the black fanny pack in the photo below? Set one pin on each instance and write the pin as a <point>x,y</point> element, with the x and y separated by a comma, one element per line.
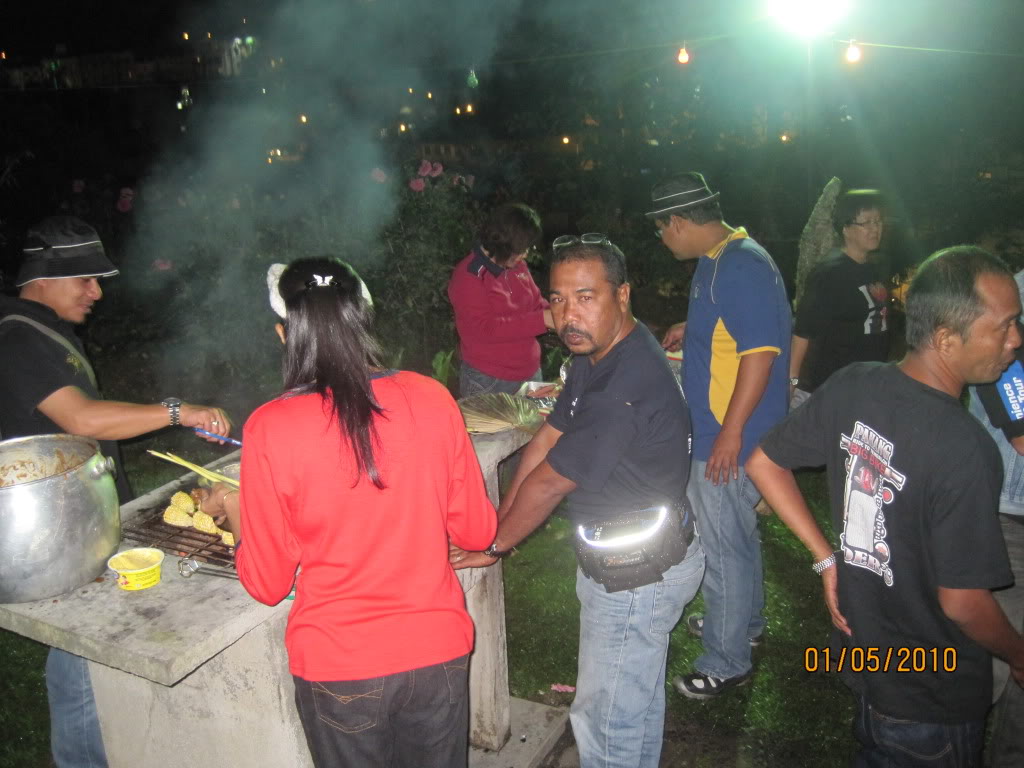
<point>634,549</point>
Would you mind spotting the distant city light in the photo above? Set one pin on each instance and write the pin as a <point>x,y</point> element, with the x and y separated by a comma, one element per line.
<point>471,79</point>
<point>458,110</point>
<point>565,139</point>
<point>303,119</point>
<point>808,18</point>
<point>243,20</point>
<point>270,161</point>
<point>430,95</point>
<point>209,36</point>
<point>410,90</point>
<point>184,35</point>
<point>250,40</point>
<point>684,56</point>
<point>3,54</point>
<point>180,105</point>
<point>264,90</point>
<point>853,53</point>
<point>784,138</point>
<point>237,41</point>
<point>469,109</point>
<point>402,127</point>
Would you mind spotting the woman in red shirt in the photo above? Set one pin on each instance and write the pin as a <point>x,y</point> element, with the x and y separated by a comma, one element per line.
<point>356,479</point>
<point>499,312</point>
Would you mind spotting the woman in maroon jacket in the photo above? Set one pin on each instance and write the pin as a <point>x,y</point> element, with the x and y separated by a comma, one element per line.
<point>499,312</point>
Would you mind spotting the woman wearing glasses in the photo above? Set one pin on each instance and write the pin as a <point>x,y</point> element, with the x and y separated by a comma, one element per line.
<point>499,312</point>
<point>842,317</point>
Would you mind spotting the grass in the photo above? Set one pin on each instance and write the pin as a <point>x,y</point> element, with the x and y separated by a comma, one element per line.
<point>785,716</point>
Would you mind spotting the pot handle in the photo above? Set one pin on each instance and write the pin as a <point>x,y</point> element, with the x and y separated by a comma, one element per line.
<point>105,466</point>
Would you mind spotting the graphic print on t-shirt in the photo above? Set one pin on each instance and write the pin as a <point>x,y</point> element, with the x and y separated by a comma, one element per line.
<point>877,296</point>
<point>868,477</point>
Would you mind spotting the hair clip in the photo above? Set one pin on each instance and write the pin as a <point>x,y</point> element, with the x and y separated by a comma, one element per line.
<point>321,282</point>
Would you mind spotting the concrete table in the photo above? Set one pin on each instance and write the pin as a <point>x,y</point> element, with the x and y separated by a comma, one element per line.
<point>195,670</point>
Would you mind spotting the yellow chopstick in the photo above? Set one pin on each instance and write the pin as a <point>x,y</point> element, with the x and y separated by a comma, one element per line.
<point>210,475</point>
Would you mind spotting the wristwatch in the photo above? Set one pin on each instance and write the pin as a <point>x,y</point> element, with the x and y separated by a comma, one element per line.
<point>794,381</point>
<point>493,551</point>
<point>173,406</point>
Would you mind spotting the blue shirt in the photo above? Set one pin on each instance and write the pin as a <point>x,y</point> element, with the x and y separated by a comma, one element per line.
<point>738,306</point>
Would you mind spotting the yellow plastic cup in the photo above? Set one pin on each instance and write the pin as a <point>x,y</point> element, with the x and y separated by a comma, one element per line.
<point>137,568</point>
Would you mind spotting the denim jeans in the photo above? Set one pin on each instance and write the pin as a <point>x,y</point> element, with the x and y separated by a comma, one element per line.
<point>75,738</point>
<point>888,742</point>
<point>414,719</point>
<point>618,715</point>
<point>1006,748</point>
<point>733,579</point>
<point>474,382</point>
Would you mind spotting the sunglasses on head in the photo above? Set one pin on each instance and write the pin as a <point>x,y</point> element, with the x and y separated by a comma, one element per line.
<point>589,238</point>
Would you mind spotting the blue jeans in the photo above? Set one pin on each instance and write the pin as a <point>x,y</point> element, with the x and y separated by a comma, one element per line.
<point>618,715</point>
<point>75,738</point>
<point>414,719</point>
<point>733,580</point>
<point>474,382</point>
<point>888,742</point>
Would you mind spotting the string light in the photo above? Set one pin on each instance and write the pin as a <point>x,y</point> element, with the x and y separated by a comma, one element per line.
<point>469,109</point>
<point>853,53</point>
<point>684,55</point>
<point>458,110</point>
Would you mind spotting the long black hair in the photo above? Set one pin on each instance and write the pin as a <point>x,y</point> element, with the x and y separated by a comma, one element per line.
<point>330,350</point>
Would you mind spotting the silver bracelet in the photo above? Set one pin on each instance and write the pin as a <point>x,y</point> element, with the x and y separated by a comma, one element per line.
<point>823,565</point>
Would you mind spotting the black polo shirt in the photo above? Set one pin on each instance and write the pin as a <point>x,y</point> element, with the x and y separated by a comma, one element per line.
<point>34,367</point>
<point>626,431</point>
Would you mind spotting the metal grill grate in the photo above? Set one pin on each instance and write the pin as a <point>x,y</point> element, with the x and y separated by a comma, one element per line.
<point>152,531</point>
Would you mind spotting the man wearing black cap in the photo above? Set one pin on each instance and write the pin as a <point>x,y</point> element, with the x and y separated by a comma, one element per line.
<point>735,377</point>
<point>48,386</point>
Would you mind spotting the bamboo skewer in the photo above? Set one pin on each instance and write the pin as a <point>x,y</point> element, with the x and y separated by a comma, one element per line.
<point>213,477</point>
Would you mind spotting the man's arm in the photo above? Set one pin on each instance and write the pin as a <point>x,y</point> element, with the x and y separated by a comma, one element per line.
<point>979,616</point>
<point>751,381</point>
<point>533,493</point>
<point>779,488</point>
<point>673,338</point>
<point>78,414</point>
<point>797,352</point>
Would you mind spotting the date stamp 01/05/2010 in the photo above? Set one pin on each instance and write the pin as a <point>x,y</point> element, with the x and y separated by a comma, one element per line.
<point>871,659</point>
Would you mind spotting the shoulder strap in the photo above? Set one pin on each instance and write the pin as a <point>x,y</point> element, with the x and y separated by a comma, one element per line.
<point>57,338</point>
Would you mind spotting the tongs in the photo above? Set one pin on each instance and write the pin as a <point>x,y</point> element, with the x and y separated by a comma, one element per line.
<point>189,565</point>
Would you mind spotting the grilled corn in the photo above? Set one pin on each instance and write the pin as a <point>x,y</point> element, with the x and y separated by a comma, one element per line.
<point>184,502</point>
<point>203,522</point>
<point>176,516</point>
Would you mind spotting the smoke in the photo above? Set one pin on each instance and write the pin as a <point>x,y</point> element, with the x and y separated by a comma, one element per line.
<point>278,163</point>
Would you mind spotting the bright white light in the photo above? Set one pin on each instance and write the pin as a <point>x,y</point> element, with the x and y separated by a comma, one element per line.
<point>853,53</point>
<point>808,18</point>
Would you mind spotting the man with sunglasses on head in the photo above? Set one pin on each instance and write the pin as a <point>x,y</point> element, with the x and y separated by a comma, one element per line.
<point>612,447</point>
<point>735,377</point>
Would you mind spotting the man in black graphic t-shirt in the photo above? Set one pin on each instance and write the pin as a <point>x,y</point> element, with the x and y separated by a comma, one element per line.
<point>914,486</point>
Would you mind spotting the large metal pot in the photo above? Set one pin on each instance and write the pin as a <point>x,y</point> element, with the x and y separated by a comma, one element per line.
<point>59,515</point>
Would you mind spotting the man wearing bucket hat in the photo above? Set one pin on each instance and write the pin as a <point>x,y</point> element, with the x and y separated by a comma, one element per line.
<point>736,342</point>
<point>48,387</point>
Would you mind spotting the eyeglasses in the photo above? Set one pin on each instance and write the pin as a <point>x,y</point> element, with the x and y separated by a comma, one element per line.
<point>589,238</point>
<point>869,224</point>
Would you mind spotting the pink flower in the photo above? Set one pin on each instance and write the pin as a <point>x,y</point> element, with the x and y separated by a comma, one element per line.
<point>417,185</point>
<point>436,170</point>
<point>162,265</point>
<point>424,168</point>
<point>378,175</point>
<point>560,688</point>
